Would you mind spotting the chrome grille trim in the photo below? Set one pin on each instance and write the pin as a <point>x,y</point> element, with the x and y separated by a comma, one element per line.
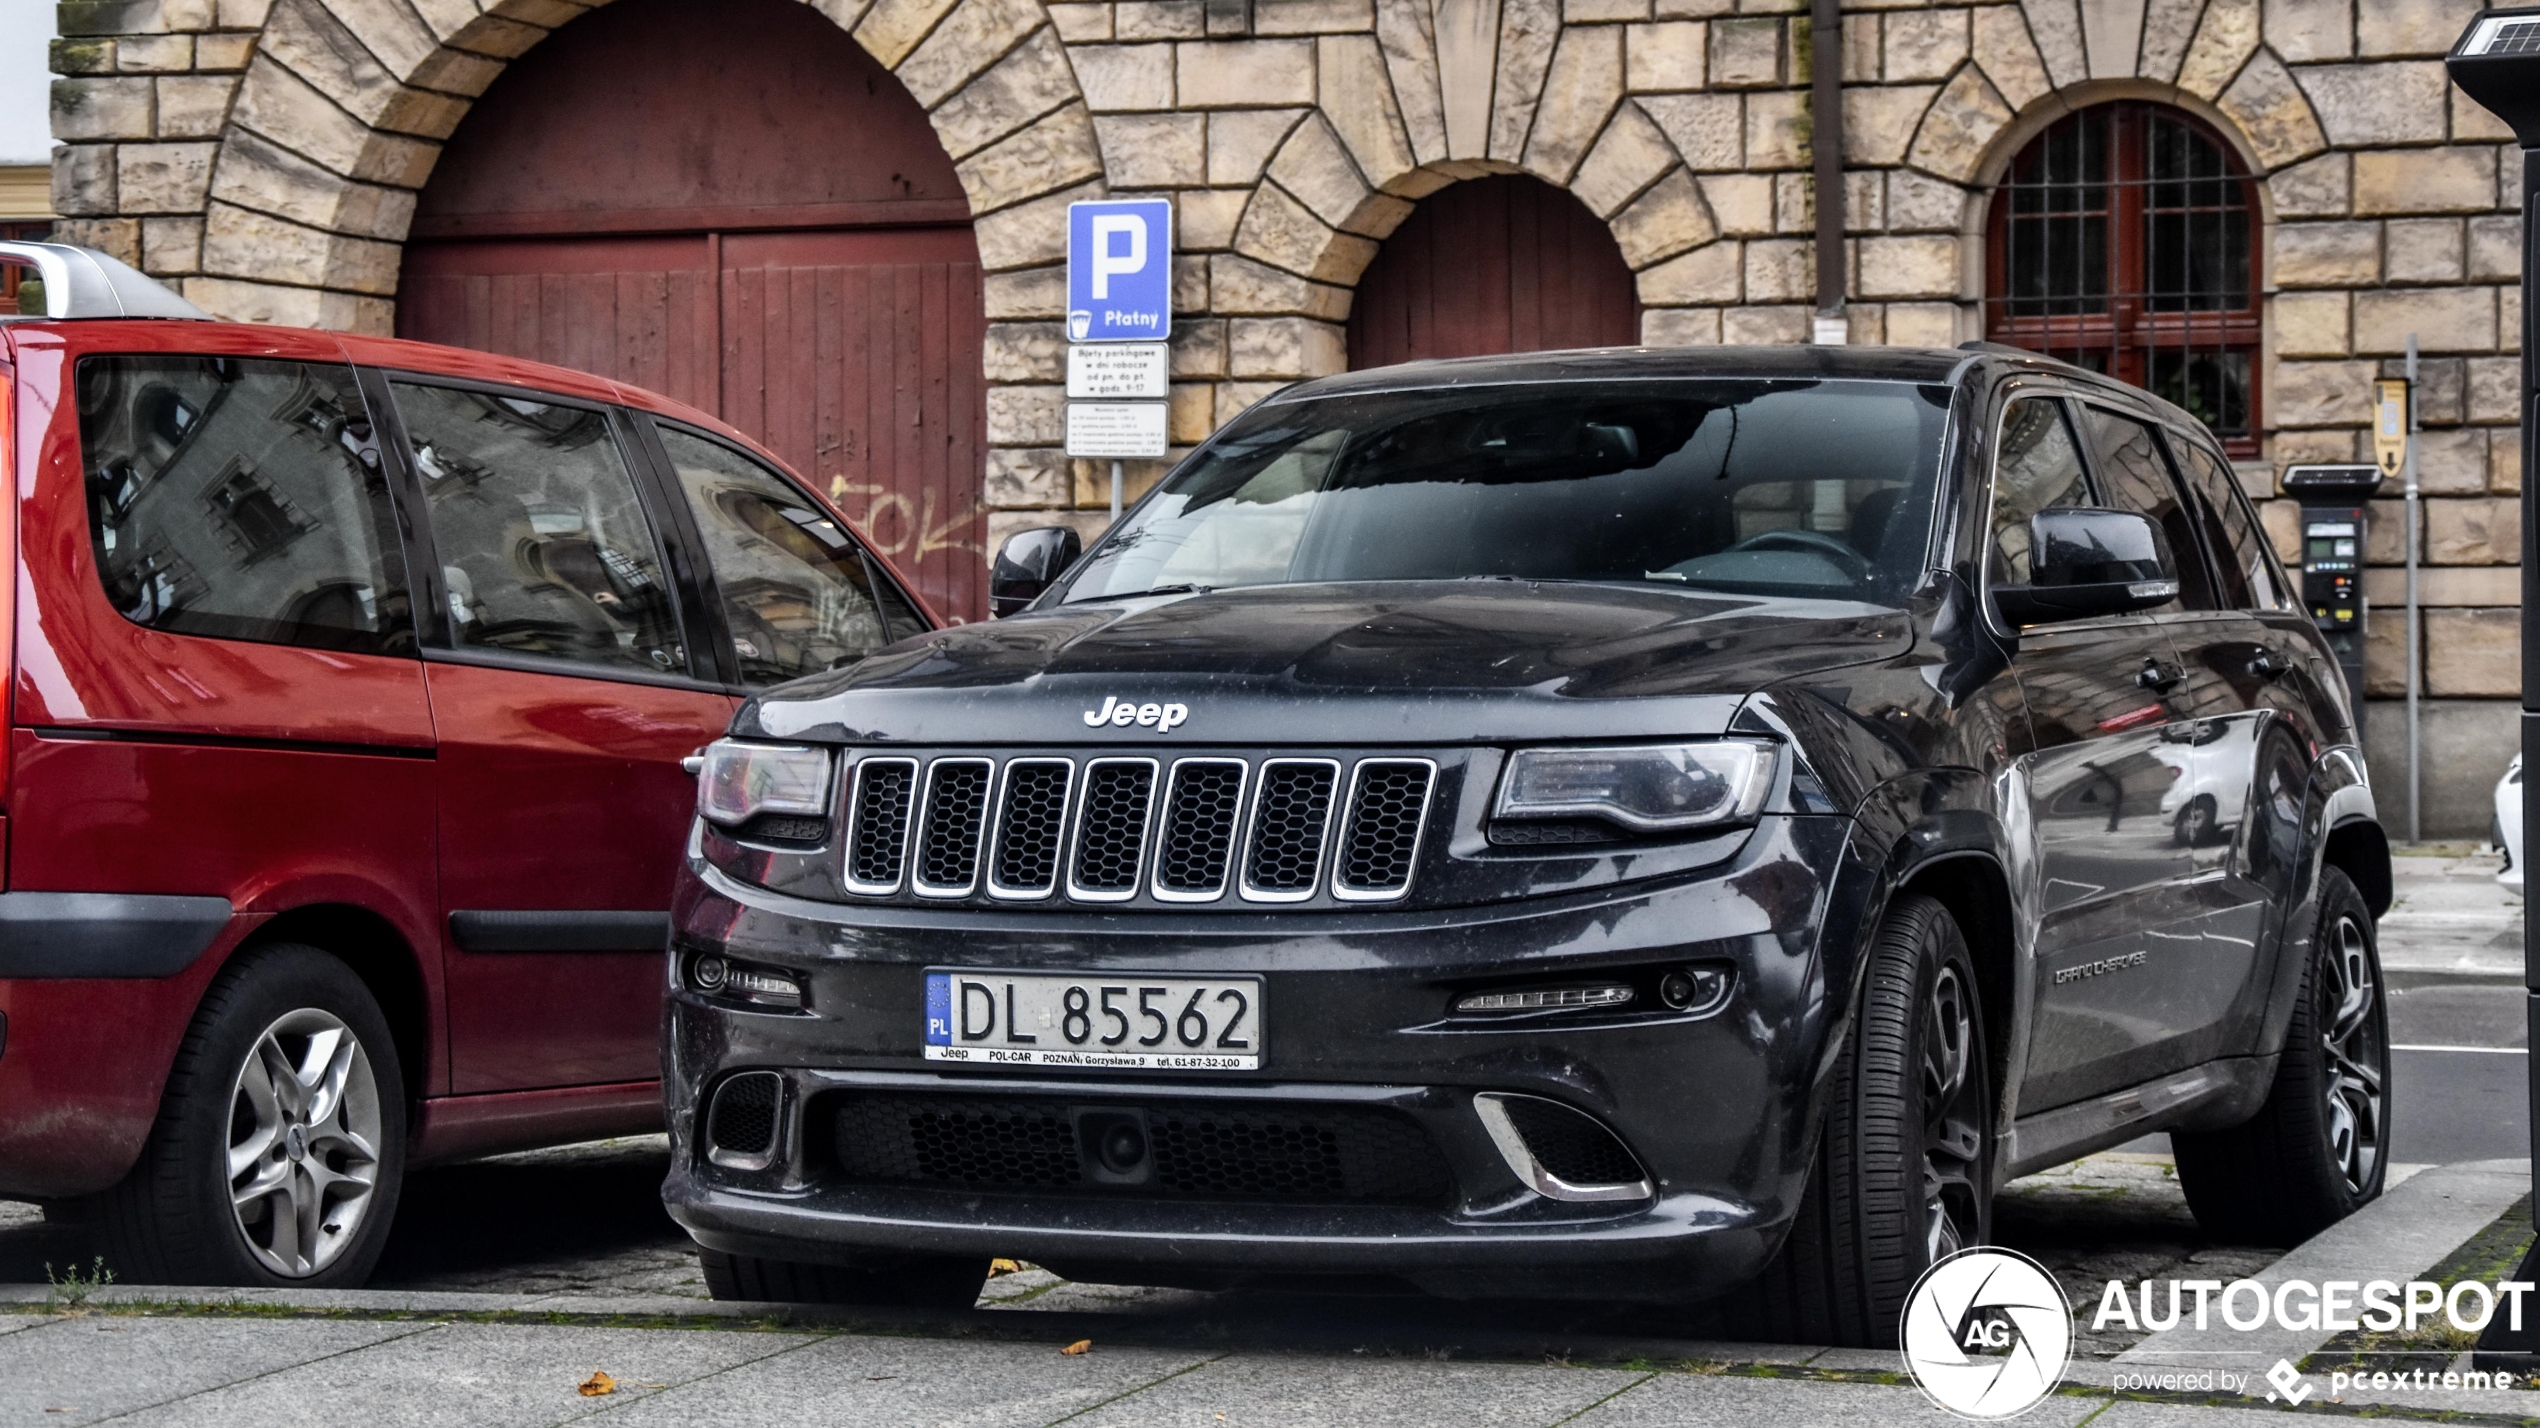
<point>1005,852</point>
<point>946,820</point>
<point>1167,843</point>
<point>1321,836</point>
<point>1356,831</point>
<point>869,807</point>
<point>1084,842</point>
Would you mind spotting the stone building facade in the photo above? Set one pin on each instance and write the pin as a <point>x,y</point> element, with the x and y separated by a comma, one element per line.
<point>266,156</point>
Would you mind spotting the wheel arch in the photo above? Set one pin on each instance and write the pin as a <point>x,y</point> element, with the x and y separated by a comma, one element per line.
<point>383,958</point>
<point>1972,885</point>
<point>2361,850</point>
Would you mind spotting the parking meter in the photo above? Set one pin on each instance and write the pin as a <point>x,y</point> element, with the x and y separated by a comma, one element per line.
<point>2497,62</point>
<point>2335,510</point>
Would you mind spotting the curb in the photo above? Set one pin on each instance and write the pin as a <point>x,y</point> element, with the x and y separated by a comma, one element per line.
<point>2398,1237</point>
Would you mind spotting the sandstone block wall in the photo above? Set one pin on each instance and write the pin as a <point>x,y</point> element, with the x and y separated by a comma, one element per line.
<point>265,155</point>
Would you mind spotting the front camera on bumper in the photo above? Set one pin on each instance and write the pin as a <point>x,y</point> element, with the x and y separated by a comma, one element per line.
<point>740,780</point>
<point>1647,788</point>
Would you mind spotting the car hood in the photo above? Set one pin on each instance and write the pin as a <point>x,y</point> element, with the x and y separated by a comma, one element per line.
<point>1397,662</point>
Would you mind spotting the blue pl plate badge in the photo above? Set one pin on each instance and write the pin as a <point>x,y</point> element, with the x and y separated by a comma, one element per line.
<point>939,1009</point>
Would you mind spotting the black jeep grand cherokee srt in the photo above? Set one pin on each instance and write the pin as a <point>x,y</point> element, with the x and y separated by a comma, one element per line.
<point>1622,823</point>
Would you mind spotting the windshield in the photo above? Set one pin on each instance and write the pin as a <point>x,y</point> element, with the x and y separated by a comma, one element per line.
<point>1803,488</point>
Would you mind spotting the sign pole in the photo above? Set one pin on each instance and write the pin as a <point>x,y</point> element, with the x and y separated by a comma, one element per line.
<point>2416,621</point>
<point>2496,62</point>
<point>1115,493</point>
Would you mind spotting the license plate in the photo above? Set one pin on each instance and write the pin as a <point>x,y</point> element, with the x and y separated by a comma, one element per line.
<point>1059,1019</point>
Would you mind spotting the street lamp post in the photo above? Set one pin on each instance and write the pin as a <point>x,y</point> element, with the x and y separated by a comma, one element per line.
<point>2497,62</point>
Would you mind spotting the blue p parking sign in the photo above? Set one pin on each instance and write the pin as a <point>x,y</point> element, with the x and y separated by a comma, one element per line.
<point>1120,270</point>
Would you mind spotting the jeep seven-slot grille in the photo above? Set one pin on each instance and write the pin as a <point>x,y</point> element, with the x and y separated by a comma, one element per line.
<point>1114,828</point>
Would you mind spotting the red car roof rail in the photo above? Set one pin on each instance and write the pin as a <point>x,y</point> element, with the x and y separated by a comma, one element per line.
<point>81,282</point>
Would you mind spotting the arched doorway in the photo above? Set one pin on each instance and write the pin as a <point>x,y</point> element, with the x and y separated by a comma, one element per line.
<point>735,205</point>
<point>1500,264</point>
<point>2125,239</point>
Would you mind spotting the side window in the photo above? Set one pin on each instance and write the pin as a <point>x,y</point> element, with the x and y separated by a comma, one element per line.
<point>544,545</point>
<point>2137,477</point>
<point>797,592</point>
<point>2037,468</point>
<point>241,499</point>
<point>2253,581</point>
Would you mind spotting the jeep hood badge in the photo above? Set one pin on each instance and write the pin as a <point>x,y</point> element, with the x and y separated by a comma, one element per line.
<point>1163,718</point>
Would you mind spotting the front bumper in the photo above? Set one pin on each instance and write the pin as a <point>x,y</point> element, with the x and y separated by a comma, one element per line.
<point>1716,1106</point>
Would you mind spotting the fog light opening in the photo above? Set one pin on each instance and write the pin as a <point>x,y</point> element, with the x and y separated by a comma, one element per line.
<point>1607,994</point>
<point>1693,989</point>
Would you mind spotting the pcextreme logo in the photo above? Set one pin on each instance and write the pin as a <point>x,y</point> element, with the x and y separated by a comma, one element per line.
<point>1986,1333</point>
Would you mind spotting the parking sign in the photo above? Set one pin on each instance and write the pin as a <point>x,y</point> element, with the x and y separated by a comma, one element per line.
<point>1120,270</point>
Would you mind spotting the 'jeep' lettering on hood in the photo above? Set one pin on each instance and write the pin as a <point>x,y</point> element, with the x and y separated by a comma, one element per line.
<point>1163,718</point>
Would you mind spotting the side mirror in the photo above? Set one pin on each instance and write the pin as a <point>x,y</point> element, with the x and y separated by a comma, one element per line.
<point>1027,563</point>
<point>2084,564</point>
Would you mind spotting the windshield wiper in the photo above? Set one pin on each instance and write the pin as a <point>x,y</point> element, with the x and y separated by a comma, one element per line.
<point>1152,590</point>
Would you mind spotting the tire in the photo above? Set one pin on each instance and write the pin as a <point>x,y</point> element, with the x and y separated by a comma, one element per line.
<point>889,1281</point>
<point>2318,1149</point>
<point>2197,822</point>
<point>1904,1166</point>
<point>328,1147</point>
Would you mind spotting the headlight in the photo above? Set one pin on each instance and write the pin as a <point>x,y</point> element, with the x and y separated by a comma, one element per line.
<point>740,781</point>
<point>1649,788</point>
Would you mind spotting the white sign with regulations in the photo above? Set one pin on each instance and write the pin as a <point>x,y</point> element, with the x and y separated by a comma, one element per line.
<point>1122,430</point>
<point>1116,371</point>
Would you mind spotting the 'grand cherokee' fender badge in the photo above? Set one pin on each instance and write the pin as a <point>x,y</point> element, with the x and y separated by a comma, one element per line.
<point>1163,718</point>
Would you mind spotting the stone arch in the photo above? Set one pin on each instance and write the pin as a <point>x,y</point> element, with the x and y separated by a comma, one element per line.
<point>1344,178</point>
<point>345,105</point>
<point>1493,264</point>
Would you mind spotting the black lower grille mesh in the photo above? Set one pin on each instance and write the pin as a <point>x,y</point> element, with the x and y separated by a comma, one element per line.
<point>880,843</point>
<point>1572,1145</point>
<point>940,1140</point>
<point>1384,826</point>
<point>744,1120</point>
<point>1288,823</point>
<point>1211,1150</point>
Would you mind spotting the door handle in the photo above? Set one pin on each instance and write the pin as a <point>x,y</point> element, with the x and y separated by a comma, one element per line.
<point>2267,666</point>
<point>2158,677</point>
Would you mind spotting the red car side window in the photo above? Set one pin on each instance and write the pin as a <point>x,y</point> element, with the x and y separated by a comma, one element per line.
<point>241,499</point>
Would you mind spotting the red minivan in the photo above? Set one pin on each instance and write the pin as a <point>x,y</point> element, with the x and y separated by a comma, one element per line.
<point>341,791</point>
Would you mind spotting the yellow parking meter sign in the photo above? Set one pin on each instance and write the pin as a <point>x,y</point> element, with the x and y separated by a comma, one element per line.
<point>2390,424</point>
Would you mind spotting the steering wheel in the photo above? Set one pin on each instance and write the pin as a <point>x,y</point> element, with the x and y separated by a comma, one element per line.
<point>1855,565</point>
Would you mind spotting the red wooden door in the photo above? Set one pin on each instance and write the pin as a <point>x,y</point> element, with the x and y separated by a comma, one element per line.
<point>751,216</point>
<point>1491,265</point>
<point>856,357</point>
<point>854,354</point>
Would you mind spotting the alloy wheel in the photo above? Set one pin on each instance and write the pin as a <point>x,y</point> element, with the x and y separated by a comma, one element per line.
<point>304,1138</point>
<point>1953,1116</point>
<point>2347,1009</point>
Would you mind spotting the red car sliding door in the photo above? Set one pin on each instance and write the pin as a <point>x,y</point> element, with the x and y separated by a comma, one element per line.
<point>563,702</point>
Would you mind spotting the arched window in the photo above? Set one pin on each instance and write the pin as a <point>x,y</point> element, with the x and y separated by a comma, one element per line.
<point>2124,239</point>
<point>1490,265</point>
